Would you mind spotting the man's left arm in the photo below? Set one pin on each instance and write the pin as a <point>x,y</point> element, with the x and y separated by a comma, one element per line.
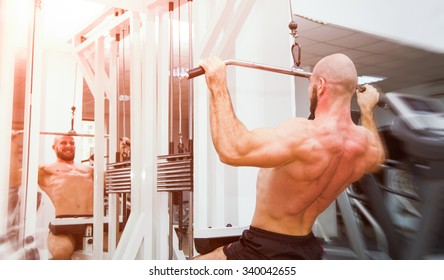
<point>15,172</point>
<point>367,100</point>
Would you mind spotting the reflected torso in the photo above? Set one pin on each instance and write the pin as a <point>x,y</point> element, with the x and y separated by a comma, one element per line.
<point>69,186</point>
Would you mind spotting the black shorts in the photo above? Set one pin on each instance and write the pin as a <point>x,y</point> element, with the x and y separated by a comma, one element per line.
<point>259,244</point>
<point>73,229</point>
<point>75,232</point>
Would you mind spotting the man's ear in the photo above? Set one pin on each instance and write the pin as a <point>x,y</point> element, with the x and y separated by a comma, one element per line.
<point>322,85</point>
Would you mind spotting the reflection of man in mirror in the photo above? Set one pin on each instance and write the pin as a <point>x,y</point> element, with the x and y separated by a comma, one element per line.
<point>14,182</point>
<point>125,149</point>
<point>69,185</point>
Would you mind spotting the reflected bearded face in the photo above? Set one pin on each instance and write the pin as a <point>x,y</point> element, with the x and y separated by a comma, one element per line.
<point>65,148</point>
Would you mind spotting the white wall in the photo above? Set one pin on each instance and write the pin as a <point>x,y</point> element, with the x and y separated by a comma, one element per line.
<point>57,100</point>
<point>262,99</point>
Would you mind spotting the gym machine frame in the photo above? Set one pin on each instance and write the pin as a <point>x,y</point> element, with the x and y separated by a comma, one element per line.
<point>175,171</point>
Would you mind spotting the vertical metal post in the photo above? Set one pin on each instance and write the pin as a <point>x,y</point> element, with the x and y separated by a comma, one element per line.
<point>113,221</point>
<point>7,10</point>
<point>149,112</point>
<point>136,111</point>
<point>161,134</point>
<point>179,196</point>
<point>99,148</point>
<point>31,136</point>
<point>353,232</point>
<point>170,130</point>
<point>201,146</point>
<point>170,227</point>
<point>190,129</point>
<point>171,88</point>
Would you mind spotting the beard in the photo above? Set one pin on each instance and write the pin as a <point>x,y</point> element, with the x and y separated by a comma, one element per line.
<point>65,157</point>
<point>313,102</point>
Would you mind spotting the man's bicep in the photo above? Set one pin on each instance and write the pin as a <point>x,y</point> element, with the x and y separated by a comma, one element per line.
<point>267,147</point>
<point>42,173</point>
<point>376,153</point>
<point>15,178</point>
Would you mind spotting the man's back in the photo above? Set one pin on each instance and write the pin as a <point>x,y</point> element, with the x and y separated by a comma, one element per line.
<point>329,157</point>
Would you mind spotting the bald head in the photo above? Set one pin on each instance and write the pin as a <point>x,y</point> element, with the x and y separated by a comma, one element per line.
<point>59,138</point>
<point>338,70</point>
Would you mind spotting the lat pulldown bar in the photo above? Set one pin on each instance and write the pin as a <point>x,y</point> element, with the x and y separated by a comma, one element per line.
<point>195,72</point>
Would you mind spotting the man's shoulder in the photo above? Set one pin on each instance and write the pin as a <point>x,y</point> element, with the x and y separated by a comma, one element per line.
<point>84,167</point>
<point>47,168</point>
<point>364,132</point>
<point>43,166</point>
<point>293,124</point>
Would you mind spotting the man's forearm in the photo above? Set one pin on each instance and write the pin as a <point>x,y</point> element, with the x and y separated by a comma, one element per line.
<point>14,168</point>
<point>226,129</point>
<point>367,121</point>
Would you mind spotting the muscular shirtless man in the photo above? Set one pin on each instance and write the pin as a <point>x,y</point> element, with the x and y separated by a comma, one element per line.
<point>70,186</point>
<point>304,164</point>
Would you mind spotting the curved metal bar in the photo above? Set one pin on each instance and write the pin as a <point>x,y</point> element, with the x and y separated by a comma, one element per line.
<point>288,71</point>
<point>63,133</point>
<point>192,73</point>
<point>66,134</point>
<point>195,72</point>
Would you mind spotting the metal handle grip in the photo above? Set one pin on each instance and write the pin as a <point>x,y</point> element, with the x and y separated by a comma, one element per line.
<point>361,88</point>
<point>195,72</point>
<point>381,102</point>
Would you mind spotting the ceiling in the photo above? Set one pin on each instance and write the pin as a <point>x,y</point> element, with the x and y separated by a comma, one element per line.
<point>405,68</point>
<point>402,66</point>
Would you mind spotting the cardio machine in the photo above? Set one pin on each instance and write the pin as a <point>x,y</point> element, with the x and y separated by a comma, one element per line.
<point>405,201</point>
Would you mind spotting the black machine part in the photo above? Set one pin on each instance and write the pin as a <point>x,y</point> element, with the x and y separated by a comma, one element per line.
<point>418,127</point>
